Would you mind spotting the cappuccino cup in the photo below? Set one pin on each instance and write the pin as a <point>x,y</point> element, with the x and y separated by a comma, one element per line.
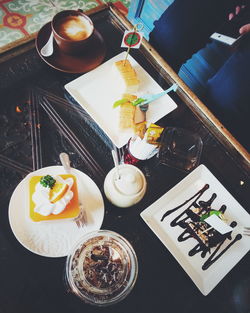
<point>72,31</point>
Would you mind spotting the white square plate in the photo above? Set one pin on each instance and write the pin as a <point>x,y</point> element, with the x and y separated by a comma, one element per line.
<point>207,279</point>
<point>96,92</point>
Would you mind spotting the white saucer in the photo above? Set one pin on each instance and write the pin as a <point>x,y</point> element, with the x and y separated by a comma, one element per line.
<point>54,238</point>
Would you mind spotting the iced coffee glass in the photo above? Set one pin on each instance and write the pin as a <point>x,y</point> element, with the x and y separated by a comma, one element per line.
<point>102,268</point>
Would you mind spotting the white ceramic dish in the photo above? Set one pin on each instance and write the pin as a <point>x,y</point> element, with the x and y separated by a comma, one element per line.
<point>54,238</point>
<point>207,279</point>
<point>94,91</point>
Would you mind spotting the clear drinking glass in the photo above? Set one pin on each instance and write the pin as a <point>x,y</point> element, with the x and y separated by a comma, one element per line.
<point>102,268</point>
<point>180,148</point>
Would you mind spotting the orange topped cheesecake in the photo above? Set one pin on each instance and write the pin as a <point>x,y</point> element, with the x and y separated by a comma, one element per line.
<point>53,198</point>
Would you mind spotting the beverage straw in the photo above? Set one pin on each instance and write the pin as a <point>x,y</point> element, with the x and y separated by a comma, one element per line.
<point>114,155</point>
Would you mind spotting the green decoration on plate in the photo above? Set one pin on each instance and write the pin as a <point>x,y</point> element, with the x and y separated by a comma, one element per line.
<point>138,101</point>
<point>119,102</point>
<point>47,181</point>
<point>204,216</point>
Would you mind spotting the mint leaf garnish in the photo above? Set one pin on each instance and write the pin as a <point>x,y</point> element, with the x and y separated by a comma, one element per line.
<point>119,102</point>
<point>204,216</point>
<point>47,181</point>
<point>138,101</point>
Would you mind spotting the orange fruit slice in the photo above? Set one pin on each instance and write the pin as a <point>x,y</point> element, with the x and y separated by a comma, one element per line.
<point>58,191</point>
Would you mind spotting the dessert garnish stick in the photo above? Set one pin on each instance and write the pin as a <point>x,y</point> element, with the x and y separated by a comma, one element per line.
<point>144,100</point>
<point>132,39</point>
<point>206,230</point>
<point>126,56</point>
<point>129,47</point>
<point>114,155</point>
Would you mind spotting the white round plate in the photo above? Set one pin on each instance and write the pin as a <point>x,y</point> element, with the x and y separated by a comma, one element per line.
<point>54,238</point>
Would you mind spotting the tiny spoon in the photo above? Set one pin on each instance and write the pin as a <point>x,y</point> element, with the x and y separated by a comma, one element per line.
<point>114,155</point>
<point>81,219</point>
<point>47,49</point>
<point>64,158</point>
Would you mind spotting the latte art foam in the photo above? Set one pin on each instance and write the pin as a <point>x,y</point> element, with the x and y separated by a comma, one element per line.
<point>74,28</point>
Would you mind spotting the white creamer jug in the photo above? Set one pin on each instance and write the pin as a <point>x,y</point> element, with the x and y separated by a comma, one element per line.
<point>127,189</point>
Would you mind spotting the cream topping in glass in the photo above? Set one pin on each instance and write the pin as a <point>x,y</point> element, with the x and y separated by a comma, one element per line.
<point>41,198</point>
<point>130,181</point>
<point>126,190</point>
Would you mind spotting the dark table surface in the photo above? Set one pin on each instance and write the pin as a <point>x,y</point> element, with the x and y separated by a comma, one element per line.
<point>36,111</point>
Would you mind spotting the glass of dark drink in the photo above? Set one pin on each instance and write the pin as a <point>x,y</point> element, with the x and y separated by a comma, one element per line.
<point>102,268</point>
<point>128,157</point>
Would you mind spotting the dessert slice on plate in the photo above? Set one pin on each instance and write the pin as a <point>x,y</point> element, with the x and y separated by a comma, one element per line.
<point>53,198</point>
<point>125,76</point>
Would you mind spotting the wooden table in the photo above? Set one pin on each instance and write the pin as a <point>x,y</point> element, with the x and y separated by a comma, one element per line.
<point>39,120</point>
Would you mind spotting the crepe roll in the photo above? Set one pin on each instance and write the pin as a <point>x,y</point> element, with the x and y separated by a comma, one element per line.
<point>125,77</point>
<point>127,111</point>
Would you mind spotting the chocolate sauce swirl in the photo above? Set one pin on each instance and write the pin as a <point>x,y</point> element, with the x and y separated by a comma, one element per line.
<point>206,236</point>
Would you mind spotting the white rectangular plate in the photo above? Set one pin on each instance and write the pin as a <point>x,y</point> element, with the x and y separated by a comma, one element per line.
<point>96,92</point>
<point>207,279</point>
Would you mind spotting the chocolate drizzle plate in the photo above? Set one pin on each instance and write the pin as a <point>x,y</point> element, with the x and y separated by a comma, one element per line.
<point>178,219</point>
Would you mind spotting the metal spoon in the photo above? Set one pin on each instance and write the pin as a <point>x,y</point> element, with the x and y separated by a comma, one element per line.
<point>47,49</point>
<point>64,158</point>
<point>81,219</point>
<point>115,159</point>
